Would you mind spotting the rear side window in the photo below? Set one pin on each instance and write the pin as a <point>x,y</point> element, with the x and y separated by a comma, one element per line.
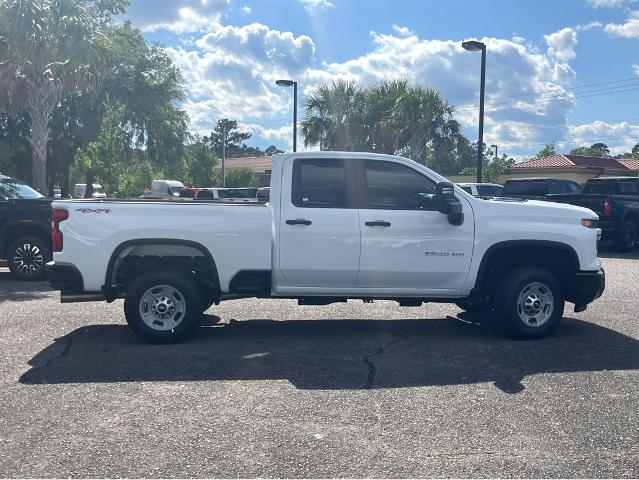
<point>489,190</point>
<point>467,190</point>
<point>628,187</point>
<point>319,183</point>
<point>532,188</point>
<point>205,195</point>
<point>397,187</point>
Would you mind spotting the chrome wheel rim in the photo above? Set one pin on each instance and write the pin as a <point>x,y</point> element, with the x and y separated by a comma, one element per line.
<point>28,259</point>
<point>162,308</point>
<point>535,304</point>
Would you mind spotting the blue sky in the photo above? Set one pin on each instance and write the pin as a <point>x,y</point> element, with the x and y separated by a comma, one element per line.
<point>557,70</point>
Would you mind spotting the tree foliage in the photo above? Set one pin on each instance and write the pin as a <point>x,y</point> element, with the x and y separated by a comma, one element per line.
<point>49,49</point>
<point>595,150</point>
<point>547,151</point>
<point>240,177</point>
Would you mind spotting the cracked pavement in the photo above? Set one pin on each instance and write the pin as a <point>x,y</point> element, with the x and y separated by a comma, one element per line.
<point>269,388</point>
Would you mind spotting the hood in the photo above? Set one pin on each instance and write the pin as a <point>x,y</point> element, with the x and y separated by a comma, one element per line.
<point>539,207</point>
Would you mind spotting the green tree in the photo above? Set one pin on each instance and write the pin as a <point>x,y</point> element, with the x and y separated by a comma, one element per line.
<point>240,177</point>
<point>272,150</point>
<point>226,138</point>
<point>104,159</point>
<point>201,163</point>
<point>492,168</point>
<point>48,48</point>
<point>334,117</point>
<point>595,150</point>
<point>547,151</point>
<point>381,100</point>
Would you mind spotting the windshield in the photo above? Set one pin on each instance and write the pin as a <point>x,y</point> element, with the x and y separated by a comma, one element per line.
<point>11,188</point>
<point>489,190</point>
<point>175,190</point>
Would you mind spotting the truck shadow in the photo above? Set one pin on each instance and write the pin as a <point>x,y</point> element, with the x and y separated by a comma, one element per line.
<point>334,354</point>
<point>12,290</point>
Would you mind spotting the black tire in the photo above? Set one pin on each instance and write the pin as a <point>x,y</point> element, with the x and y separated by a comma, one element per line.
<point>26,257</point>
<point>627,238</point>
<point>512,311</point>
<point>177,289</point>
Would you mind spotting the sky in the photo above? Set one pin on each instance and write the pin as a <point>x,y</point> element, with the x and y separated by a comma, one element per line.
<point>564,71</point>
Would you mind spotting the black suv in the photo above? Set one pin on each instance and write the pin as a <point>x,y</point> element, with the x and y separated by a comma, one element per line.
<point>538,188</point>
<point>25,228</point>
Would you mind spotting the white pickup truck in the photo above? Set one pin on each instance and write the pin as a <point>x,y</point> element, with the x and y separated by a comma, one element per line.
<point>338,226</point>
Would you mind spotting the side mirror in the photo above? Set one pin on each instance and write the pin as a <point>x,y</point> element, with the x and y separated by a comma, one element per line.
<point>448,204</point>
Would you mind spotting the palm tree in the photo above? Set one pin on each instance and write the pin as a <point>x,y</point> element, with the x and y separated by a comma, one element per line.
<point>422,121</point>
<point>381,101</point>
<point>48,48</point>
<point>334,117</point>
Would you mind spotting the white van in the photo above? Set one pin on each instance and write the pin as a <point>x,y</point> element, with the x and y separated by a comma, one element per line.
<point>80,190</point>
<point>166,188</point>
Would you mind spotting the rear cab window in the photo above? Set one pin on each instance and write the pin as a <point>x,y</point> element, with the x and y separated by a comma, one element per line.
<point>319,183</point>
<point>489,190</point>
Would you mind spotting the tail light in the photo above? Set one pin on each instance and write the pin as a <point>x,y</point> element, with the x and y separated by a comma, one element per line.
<point>57,215</point>
<point>607,207</point>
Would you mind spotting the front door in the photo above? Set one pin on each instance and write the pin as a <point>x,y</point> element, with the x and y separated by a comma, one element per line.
<point>406,244</point>
<point>319,235</point>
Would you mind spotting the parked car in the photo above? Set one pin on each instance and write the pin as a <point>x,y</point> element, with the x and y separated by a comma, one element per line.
<point>80,190</point>
<point>482,189</point>
<point>167,189</point>
<point>25,229</point>
<point>616,201</point>
<point>328,236</point>
<point>538,188</point>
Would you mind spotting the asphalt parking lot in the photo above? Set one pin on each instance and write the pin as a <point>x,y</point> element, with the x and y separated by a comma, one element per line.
<point>269,388</point>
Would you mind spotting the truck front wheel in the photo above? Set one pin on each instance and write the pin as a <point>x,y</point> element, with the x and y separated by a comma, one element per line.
<point>530,302</point>
<point>163,307</point>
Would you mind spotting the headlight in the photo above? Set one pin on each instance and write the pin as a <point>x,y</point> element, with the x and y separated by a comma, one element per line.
<point>589,222</point>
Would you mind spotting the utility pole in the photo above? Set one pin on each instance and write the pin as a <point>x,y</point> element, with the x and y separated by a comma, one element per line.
<point>224,140</point>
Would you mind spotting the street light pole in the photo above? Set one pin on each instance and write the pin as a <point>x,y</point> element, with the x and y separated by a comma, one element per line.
<point>291,83</point>
<point>474,46</point>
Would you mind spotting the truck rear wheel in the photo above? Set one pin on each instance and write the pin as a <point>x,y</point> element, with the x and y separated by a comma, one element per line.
<point>530,302</point>
<point>26,257</point>
<point>163,307</point>
<point>627,239</point>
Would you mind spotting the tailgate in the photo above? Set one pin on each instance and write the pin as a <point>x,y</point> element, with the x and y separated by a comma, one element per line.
<point>592,201</point>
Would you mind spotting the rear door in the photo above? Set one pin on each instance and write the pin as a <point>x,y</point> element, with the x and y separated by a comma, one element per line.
<point>408,246</point>
<point>319,234</point>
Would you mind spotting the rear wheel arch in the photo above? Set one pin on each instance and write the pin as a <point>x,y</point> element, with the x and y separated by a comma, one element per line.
<point>199,258</point>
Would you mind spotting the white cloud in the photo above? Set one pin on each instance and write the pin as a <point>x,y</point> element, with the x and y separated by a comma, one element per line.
<point>524,88</point>
<point>605,3</point>
<point>635,68</point>
<point>177,15</point>
<point>561,44</point>
<point>619,136</point>
<point>246,11</point>
<point>311,5</point>
<point>403,31</point>
<point>231,71</point>
<point>589,26</point>
<point>629,29</point>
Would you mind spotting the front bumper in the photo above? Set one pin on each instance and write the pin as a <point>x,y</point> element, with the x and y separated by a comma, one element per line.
<point>66,278</point>
<point>589,286</point>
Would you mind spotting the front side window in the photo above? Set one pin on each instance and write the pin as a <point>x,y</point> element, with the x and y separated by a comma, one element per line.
<point>319,183</point>
<point>393,186</point>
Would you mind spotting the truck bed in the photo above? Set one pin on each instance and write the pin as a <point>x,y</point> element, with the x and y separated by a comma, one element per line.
<point>100,227</point>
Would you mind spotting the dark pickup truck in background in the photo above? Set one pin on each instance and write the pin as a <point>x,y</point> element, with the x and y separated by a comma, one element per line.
<point>25,229</point>
<point>538,188</point>
<point>616,201</point>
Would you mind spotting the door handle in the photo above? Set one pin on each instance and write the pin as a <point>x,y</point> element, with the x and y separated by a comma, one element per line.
<point>378,223</point>
<point>298,221</point>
